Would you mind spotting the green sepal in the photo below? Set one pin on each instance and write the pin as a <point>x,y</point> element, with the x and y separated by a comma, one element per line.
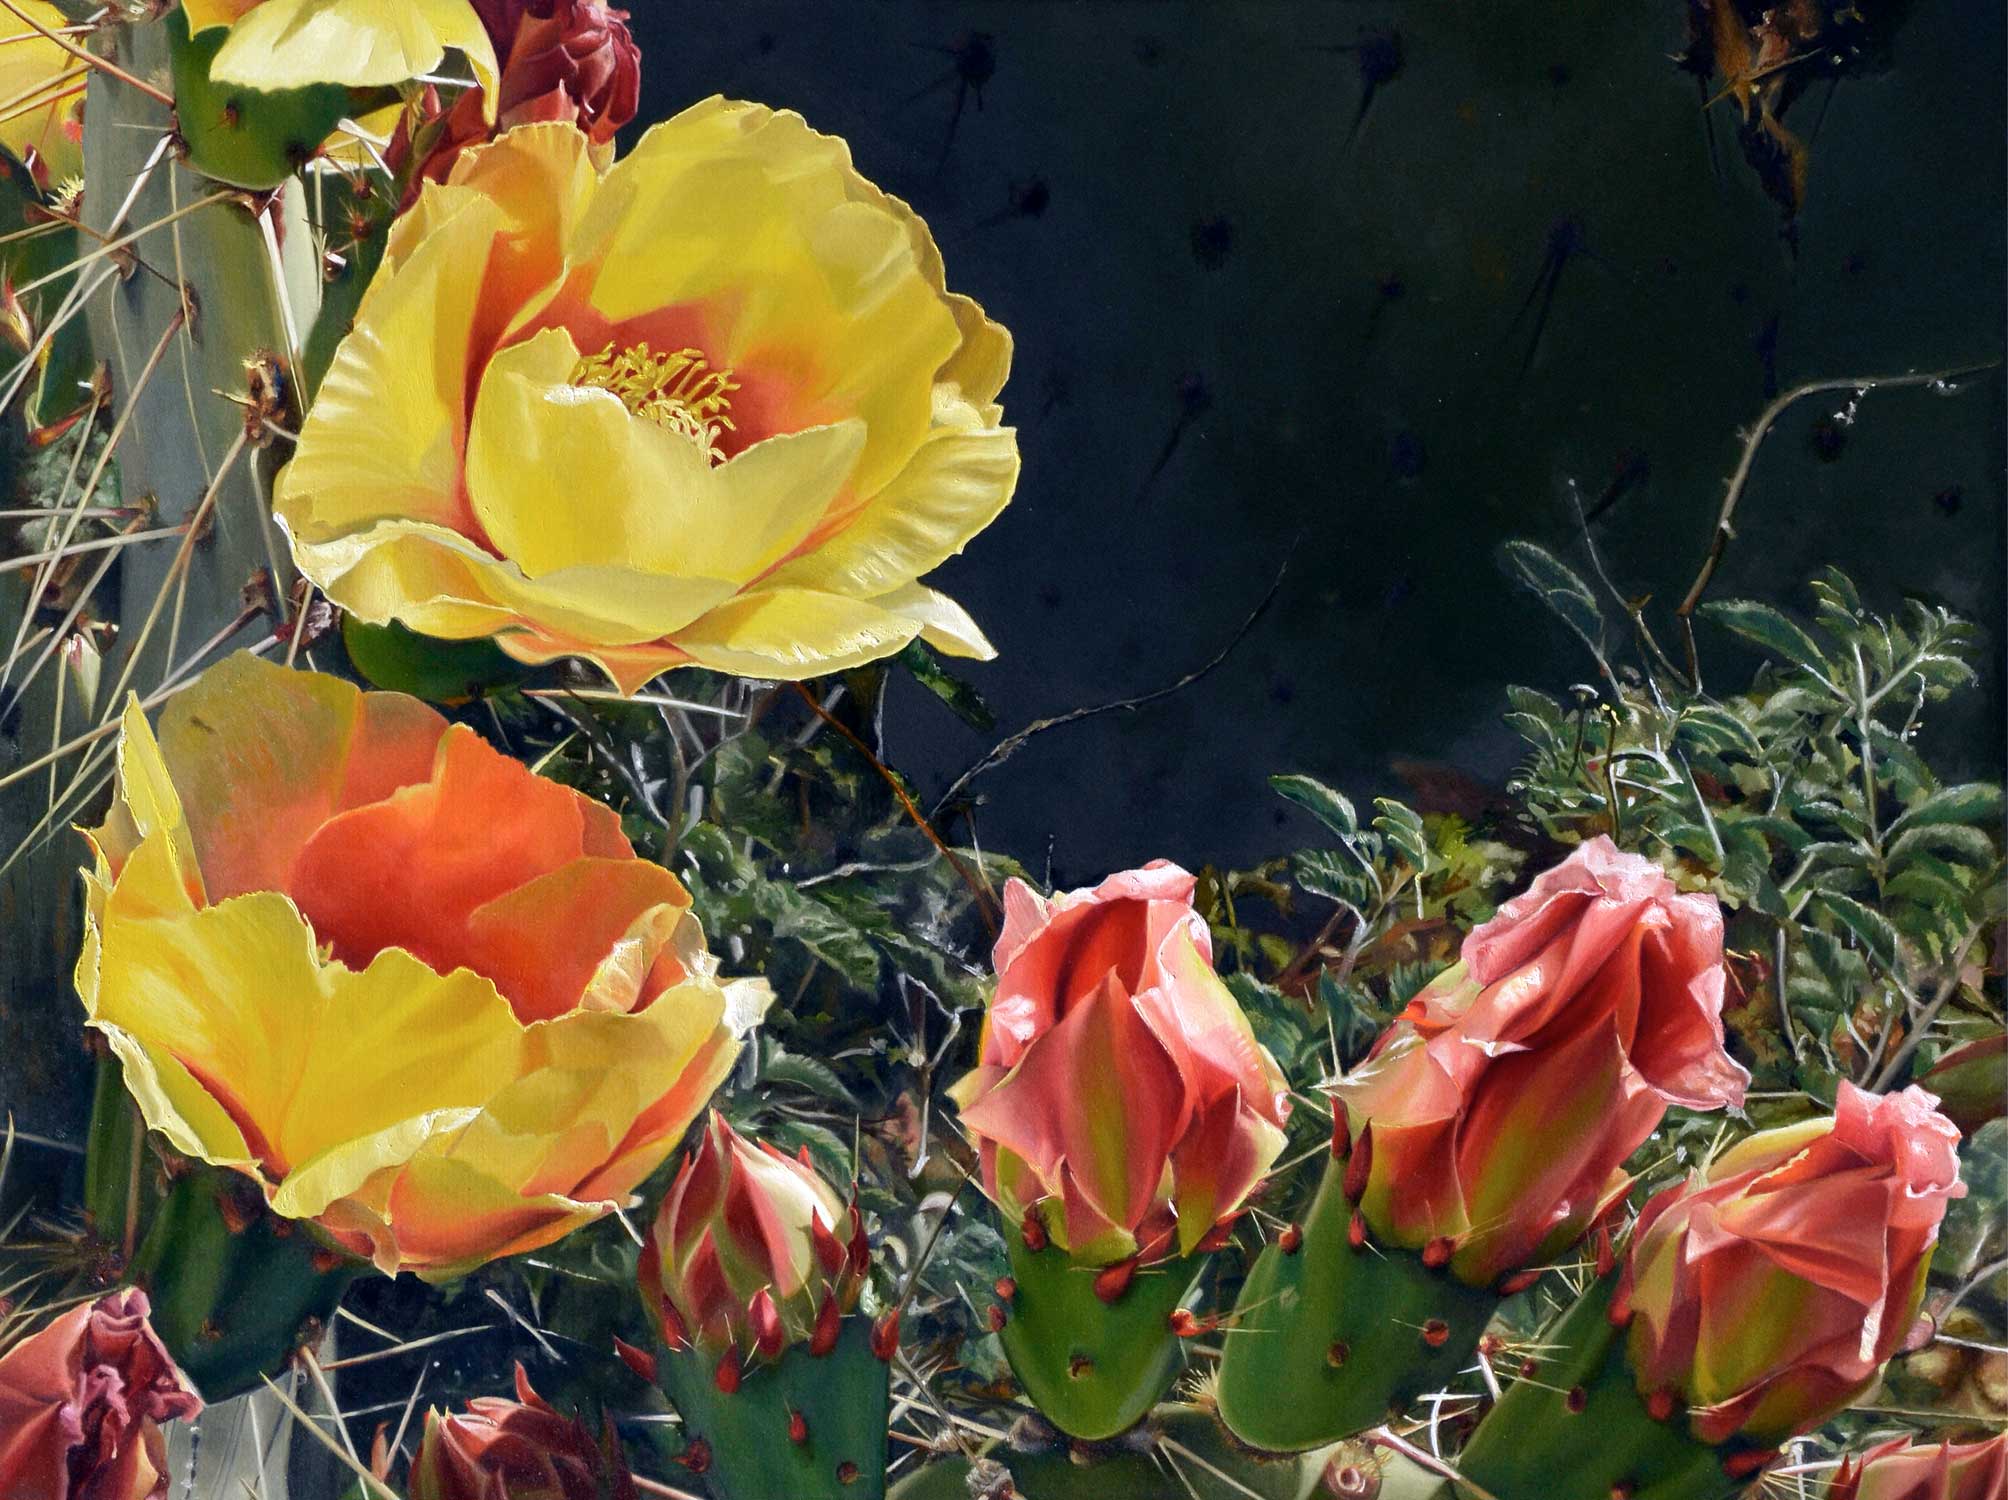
<point>400,659</point>
<point>235,1289</point>
<point>246,137</point>
<point>355,218</point>
<point>1326,1341</point>
<point>1579,1430</point>
<point>1180,1451</point>
<point>844,1397</point>
<point>1093,1368</point>
<point>114,1159</point>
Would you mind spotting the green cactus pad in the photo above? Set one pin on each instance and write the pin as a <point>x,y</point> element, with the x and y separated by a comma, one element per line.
<point>844,1399</point>
<point>1325,1341</point>
<point>1579,1430</point>
<point>1181,1451</point>
<point>1092,1367</point>
<point>247,137</point>
<point>235,1289</point>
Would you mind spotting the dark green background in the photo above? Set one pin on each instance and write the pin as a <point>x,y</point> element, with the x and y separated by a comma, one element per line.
<point>1387,456</point>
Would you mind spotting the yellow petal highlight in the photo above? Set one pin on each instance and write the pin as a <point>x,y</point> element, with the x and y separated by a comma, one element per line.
<point>794,633</point>
<point>288,44</point>
<point>45,87</point>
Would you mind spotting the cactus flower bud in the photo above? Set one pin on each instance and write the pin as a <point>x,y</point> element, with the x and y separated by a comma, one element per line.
<point>1901,1470</point>
<point>1768,1289</point>
<point>517,1450</point>
<point>744,1258</point>
<point>1505,1097</point>
<point>1971,1082</point>
<point>1120,1091</point>
<point>82,1403</point>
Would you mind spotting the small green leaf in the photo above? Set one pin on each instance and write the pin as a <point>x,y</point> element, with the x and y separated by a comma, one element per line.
<point>1402,826</point>
<point>1870,927</point>
<point>1771,629</point>
<point>810,1073</point>
<point>966,703</point>
<point>1556,584</point>
<point>1327,806</point>
<point>1976,802</point>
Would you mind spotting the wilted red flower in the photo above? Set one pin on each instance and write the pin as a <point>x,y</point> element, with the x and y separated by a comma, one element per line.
<point>1492,1118</point>
<point>517,1450</point>
<point>564,60</point>
<point>1767,1290</point>
<point>81,1404</point>
<point>1119,1092</point>
<point>1902,1470</point>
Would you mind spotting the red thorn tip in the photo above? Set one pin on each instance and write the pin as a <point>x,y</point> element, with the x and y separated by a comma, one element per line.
<point>802,1156</point>
<point>638,1360</point>
<point>1436,1333</point>
<point>1356,1231</point>
<point>861,1247</point>
<point>1577,1399</point>
<point>1529,1367</point>
<point>1607,1258</point>
<point>1219,1237</point>
<point>1114,1280</point>
<point>798,1427</point>
<point>1490,1345</point>
<point>1007,1287</point>
<point>1338,1354</point>
<point>726,1376</point>
<point>1033,1230</point>
<point>1743,1465</point>
<point>847,1472</point>
<point>1436,1254</point>
<point>1080,1365</point>
<point>994,1317</point>
<point>1359,1167</point>
<point>1518,1282</point>
<point>1290,1239</point>
<point>1342,1135</point>
<point>696,1456</point>
<point>1620,1309</point>
<point>1184,1324</point>
<point>885,1337</point>
<point>1659,1405</point>
<point>1624,1489</point>
<point>824,1338</point>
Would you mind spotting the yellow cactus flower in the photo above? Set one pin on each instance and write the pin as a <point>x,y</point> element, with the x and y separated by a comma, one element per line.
<point>713,406</point>
<point>43,86</point>
<point>288,44</point>
<point>324,963</point>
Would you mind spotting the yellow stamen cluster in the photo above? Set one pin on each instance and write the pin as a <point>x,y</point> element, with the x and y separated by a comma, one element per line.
<point>678,391</point>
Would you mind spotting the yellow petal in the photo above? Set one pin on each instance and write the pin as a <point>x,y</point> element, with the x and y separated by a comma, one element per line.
<point>944,624</point>
<point>203,15</point>
<point>794,633</point>
<point>288,44</point>
<point>953,487</point>
<point>752,213</point>
<point>43,105</point>
<point>383,438</point>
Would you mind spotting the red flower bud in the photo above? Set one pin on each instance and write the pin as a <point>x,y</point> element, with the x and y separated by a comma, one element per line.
<point>1903,1470</point>
<point>516,1450</point>
<point>885,1336</point>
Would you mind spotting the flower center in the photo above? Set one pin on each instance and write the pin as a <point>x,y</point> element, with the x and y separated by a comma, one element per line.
<point>678,391</point>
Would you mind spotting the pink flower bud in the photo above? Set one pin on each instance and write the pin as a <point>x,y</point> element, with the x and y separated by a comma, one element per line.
<point>1502,1102</point>
<point>82,1403</point>
<point>744,1256</point>
<point>517,1450</point>
<point>1900,1470</point>
<point>1768,1289</point>
<point>1119,1092</point>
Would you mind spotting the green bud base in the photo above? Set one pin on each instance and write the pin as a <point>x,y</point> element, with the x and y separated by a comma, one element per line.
<point>245,137</point>
<point>1093,1368</point>
<point>1181,1451</point>
<point>749,1452</point>
<point>235,1289</point>
<point>1579,1430</point>
<point>1326,1341</point>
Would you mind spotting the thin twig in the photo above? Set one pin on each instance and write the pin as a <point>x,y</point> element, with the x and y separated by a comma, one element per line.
<point>1004,749</point>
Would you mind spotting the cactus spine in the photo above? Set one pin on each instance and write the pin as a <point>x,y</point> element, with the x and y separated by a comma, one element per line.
<point>806,1425</point>
<point>1326,1339</point>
